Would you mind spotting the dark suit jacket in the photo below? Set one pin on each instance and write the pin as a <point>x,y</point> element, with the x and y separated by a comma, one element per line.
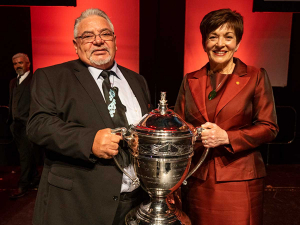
<point>23,99</point>
<point>246,111</point>
<point>66,112</point>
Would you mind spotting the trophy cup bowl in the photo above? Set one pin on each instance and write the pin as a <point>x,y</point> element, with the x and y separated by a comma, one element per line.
<point>162,148</point>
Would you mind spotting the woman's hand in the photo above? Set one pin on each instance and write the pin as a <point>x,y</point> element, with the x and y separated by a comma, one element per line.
<point>213,136</point>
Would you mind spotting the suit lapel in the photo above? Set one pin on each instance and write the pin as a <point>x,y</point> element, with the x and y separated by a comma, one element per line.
<point>136,88</point>
<point>27,80</point>
<point>198,87</point>
<point>234,85</point>
<point>25,83</point>
<point>90,86</point>
<point>11,93</point>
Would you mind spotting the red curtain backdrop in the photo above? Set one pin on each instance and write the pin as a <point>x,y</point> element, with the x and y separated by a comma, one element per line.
<point>52,31</point>
<point>266,40</point>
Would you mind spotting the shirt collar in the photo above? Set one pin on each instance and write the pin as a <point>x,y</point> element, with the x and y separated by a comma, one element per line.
<point>96,72</point>
<point>23,76</point>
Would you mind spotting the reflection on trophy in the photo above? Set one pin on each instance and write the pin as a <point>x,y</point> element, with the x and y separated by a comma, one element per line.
<point>162,148</point>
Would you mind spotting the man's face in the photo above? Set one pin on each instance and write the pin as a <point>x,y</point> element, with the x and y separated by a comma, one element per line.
<point>20,65</point>
<point>99,53</point>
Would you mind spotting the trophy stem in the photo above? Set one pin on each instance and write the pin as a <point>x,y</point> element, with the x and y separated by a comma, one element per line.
<point>157,211</point>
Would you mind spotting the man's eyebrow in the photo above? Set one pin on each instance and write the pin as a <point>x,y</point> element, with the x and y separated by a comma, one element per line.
<point>91,32</point>
<point>84,32</point>
<point>105,29</point>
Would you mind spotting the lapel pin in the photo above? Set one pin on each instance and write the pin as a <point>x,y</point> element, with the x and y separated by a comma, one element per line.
<point>237,82</point>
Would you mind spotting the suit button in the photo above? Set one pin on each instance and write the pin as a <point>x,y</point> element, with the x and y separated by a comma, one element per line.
<point>115,198</point>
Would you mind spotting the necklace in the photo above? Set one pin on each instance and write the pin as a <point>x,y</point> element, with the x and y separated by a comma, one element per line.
<point>213,93</point>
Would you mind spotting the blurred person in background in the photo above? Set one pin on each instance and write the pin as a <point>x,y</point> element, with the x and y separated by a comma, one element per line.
<point>19,104</point>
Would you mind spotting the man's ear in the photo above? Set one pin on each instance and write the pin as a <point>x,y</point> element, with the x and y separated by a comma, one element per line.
<point>75,45</point>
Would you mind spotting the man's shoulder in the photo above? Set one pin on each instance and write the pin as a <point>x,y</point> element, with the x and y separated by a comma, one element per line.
<point>130,73</point>
<point>13,80</point>
<point>30,75</point>
<point>124,69</point>
<point>70,65</point>
<point>196,74</point>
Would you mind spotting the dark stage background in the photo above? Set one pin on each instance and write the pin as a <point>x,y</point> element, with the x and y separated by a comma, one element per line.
<point>161,57</point>
<point>289,96</point>
<point>161,60</point>
<point>15,37</point>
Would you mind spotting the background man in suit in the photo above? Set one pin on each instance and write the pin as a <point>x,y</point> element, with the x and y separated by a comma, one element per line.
<point>71,118</point>
<point>19,103</point>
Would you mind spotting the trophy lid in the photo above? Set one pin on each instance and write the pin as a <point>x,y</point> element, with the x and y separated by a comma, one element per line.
<point>163,122</point>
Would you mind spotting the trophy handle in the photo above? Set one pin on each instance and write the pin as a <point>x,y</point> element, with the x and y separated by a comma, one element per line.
<point>202,158</point>
<point>122,131</point>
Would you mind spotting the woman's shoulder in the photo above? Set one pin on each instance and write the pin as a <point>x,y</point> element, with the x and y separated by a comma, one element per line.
<point>253,69</point>
<point>249,69</point>
<point>197,73</point>
<point>257,73</point>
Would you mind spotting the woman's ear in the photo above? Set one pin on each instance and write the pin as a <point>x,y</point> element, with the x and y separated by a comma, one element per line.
<point>236,48</point>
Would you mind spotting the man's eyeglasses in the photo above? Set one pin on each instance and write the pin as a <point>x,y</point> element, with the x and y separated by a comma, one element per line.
<point>105,35</point>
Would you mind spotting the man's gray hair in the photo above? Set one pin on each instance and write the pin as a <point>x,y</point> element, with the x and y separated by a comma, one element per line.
<point>91,12</point>
<point>18,55</point>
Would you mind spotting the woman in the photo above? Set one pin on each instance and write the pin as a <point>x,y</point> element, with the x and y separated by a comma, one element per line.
<point>234,103</point>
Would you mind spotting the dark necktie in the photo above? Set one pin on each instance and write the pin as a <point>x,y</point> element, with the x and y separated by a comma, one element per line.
<point>116,109</point>
<point>18,80</point>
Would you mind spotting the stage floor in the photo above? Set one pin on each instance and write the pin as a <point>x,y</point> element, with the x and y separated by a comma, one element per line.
<point>281,202</point>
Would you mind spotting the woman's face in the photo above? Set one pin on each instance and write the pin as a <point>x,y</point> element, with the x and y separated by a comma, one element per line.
<point>220,46</point>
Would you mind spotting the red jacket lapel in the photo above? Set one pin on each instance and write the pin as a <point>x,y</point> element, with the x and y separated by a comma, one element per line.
<point>197,85</point>
<point>234,85</point>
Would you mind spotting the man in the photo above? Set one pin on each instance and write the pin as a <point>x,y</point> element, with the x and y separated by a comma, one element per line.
<point>19,103</point>
<point>71,116</point>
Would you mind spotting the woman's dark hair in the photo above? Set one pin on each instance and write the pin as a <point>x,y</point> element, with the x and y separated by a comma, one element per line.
<point>217,18</point>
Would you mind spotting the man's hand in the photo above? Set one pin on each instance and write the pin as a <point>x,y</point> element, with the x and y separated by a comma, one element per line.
<point>213,136</point>
<point>105,144</point>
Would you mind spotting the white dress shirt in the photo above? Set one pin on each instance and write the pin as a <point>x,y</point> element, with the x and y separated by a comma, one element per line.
<point>23,77</point>
<point>133,110</point>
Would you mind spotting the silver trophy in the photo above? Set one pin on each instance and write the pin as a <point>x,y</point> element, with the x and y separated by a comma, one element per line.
<point>162,148</point>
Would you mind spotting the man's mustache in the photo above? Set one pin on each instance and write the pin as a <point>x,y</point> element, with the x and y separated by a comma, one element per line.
<point>100,49</point>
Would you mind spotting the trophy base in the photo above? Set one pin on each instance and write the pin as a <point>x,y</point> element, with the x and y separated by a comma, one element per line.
<point>156,214</point>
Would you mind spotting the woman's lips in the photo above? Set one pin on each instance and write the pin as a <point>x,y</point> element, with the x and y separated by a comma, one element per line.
<point>220,53</point>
